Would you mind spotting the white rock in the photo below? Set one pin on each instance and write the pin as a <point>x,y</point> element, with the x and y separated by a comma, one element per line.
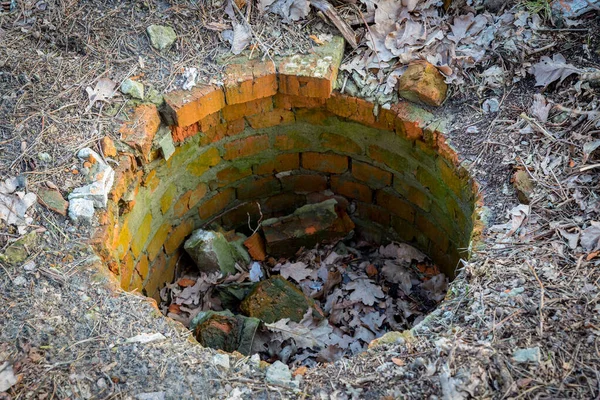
<point>531,355</point>
<point>96,191</point>
<point>7,377</point>
<point>221,360</point>
<point>81,210</point>
<point>19,281</point>
<point>280,374</point>
<point>133,88</point>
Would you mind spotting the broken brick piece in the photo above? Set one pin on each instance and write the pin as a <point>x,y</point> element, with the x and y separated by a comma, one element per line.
<point>423,83</point>
<point>139,132</point>
<point>323,222</point>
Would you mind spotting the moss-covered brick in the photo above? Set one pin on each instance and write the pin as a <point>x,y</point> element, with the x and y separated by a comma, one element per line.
<point>339,143</point>
<point>156,244</point>
<point>241,110</point>
<point>249,80</point>
<point>181,206</point>
<point>204,161</point>
<point>209,122</point>
<point>280,163</point>
<point>304,183</point>
<point>230,175</point>
<point>122,239</point>
<point>292,141</point>
<point>177,236</point>
<point>393,160</point>
<point>353,108</point>
<point>433,232</point>
<point>216,204</point>
<point>166,200</point>
<point>197,194</point>
<point>142,267</point>
<point>246,147</point>
<point>374,177</point>
<point>325,162</point>
<point>271,118</point>
<point>371,212</point>
<point>157,277</point>
<point>258,188</point>
<point>394,204</point>
<point>349,188</point>
<point>141,235</point>
<point>423,83</point>
<point>185,107</point>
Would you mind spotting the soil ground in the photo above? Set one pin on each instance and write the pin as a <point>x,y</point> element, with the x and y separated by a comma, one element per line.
<point>64,330</point>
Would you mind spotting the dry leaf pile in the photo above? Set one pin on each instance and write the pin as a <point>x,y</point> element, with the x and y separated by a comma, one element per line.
<point>363,292</point>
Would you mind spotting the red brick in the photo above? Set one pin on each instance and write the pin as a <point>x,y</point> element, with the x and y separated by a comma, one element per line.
<point>395,205</point>
<point>229,175</point>
<point>246,147</point>
<point>288,102</point>
<point>270,118</point>
<point>370,212</point>
<point>304,183</point>
<point>349,188</point>
<point>216,204</point>
<point>352,108</point>
<point>197,194</point>
<point>340,143</point>
<point>283,162</point>
<point>241,110</point>
<point>139,132</point>
<point>186,107</point>
<point>259,188</point>
<point>180,133</point>
<point>283,203</point>
<point>178,235</point>
<point>313,116</point>
<point>297,76</point>
<point>372,176</point>
<point>325,162</point>
<point>124,175</point>
<point>249,81</point>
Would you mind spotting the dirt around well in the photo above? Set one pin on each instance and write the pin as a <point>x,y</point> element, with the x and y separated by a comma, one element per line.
<point>530,289</point>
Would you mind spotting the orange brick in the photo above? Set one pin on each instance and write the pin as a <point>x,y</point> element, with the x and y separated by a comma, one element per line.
<point>180,133</point>
<point>142,267</point>
<point>270,118</point>
<point>370,212</point>
<point>291,141</point>
<point>349,188</point>
<point>216,204</point>
<point>123,177</point>
<point>259,188</point>
<point>340,143</point>
<point>156,244</point>
<point>241,110</point>
<point>108,147</point>
<point>313,116</point>
<point>139,132</point>
<point>181,207</point>
<point>288,102</point>
<point>372,176</point>
<point>325,162</point>
<point>197,194</point>
<point>126,271</point>
<point>298,77</point>
<point>209,122</point>
<point>395,205</point>
<point>121,240</point>
<point>186,107</point>
<point>246,147</point>
<point>283,162</point>
<point>157,277</point>
<point>166,201</point>
<point>177,236</point>
<point>229,175</point>
<point>304,183</point>
<point>352,108</point>
<point>249,81</point>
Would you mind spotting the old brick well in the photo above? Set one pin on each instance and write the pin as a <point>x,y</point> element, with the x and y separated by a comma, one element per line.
<point>280,134</point>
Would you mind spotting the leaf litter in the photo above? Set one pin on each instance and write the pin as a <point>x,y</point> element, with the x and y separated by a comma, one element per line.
<point>363,293</point>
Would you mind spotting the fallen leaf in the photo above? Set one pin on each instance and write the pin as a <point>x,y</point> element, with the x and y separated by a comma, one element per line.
<point>395,273</point>
<point>590,237</point>
<point>146,338</point>
<point>7,377</point>
<point>104,91</point>
<point>365,291</point>
<point>398,361</point>
<point>548,70</point>
<point>241,38</point>
<point>185,282</point>
<point>297,271</point>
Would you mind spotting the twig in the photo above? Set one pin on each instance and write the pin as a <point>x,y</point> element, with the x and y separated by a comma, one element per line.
<point>588,167</point>
<point>541,298</point>
<point>347,32</point>
<point>538,127</point>
<point>259,220</point>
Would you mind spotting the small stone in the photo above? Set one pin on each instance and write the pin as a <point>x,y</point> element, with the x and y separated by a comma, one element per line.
<point>108,147</point>
<point>323,222</point>
<point>153,96</point>
<point>222,330</point>
<point>45,157</point>
<point>7,377</point>
<point>221,360</point>
<point>423,83</point>
<point>133,88</point>
<point>29,266</point>
<point>276,298</point>
<point>279,374</point>
<point>161,37</point>
<point>524,186</point>
<point>532,355</point>
<point>81,210</point>
<point>212,252</point>
<point>101,383</point>
<point>165,142</point>
<point>255,360</point>
<point>102,177</point>
<point>53,200</point>
<point>491,106</point>
<point>19,281</point>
